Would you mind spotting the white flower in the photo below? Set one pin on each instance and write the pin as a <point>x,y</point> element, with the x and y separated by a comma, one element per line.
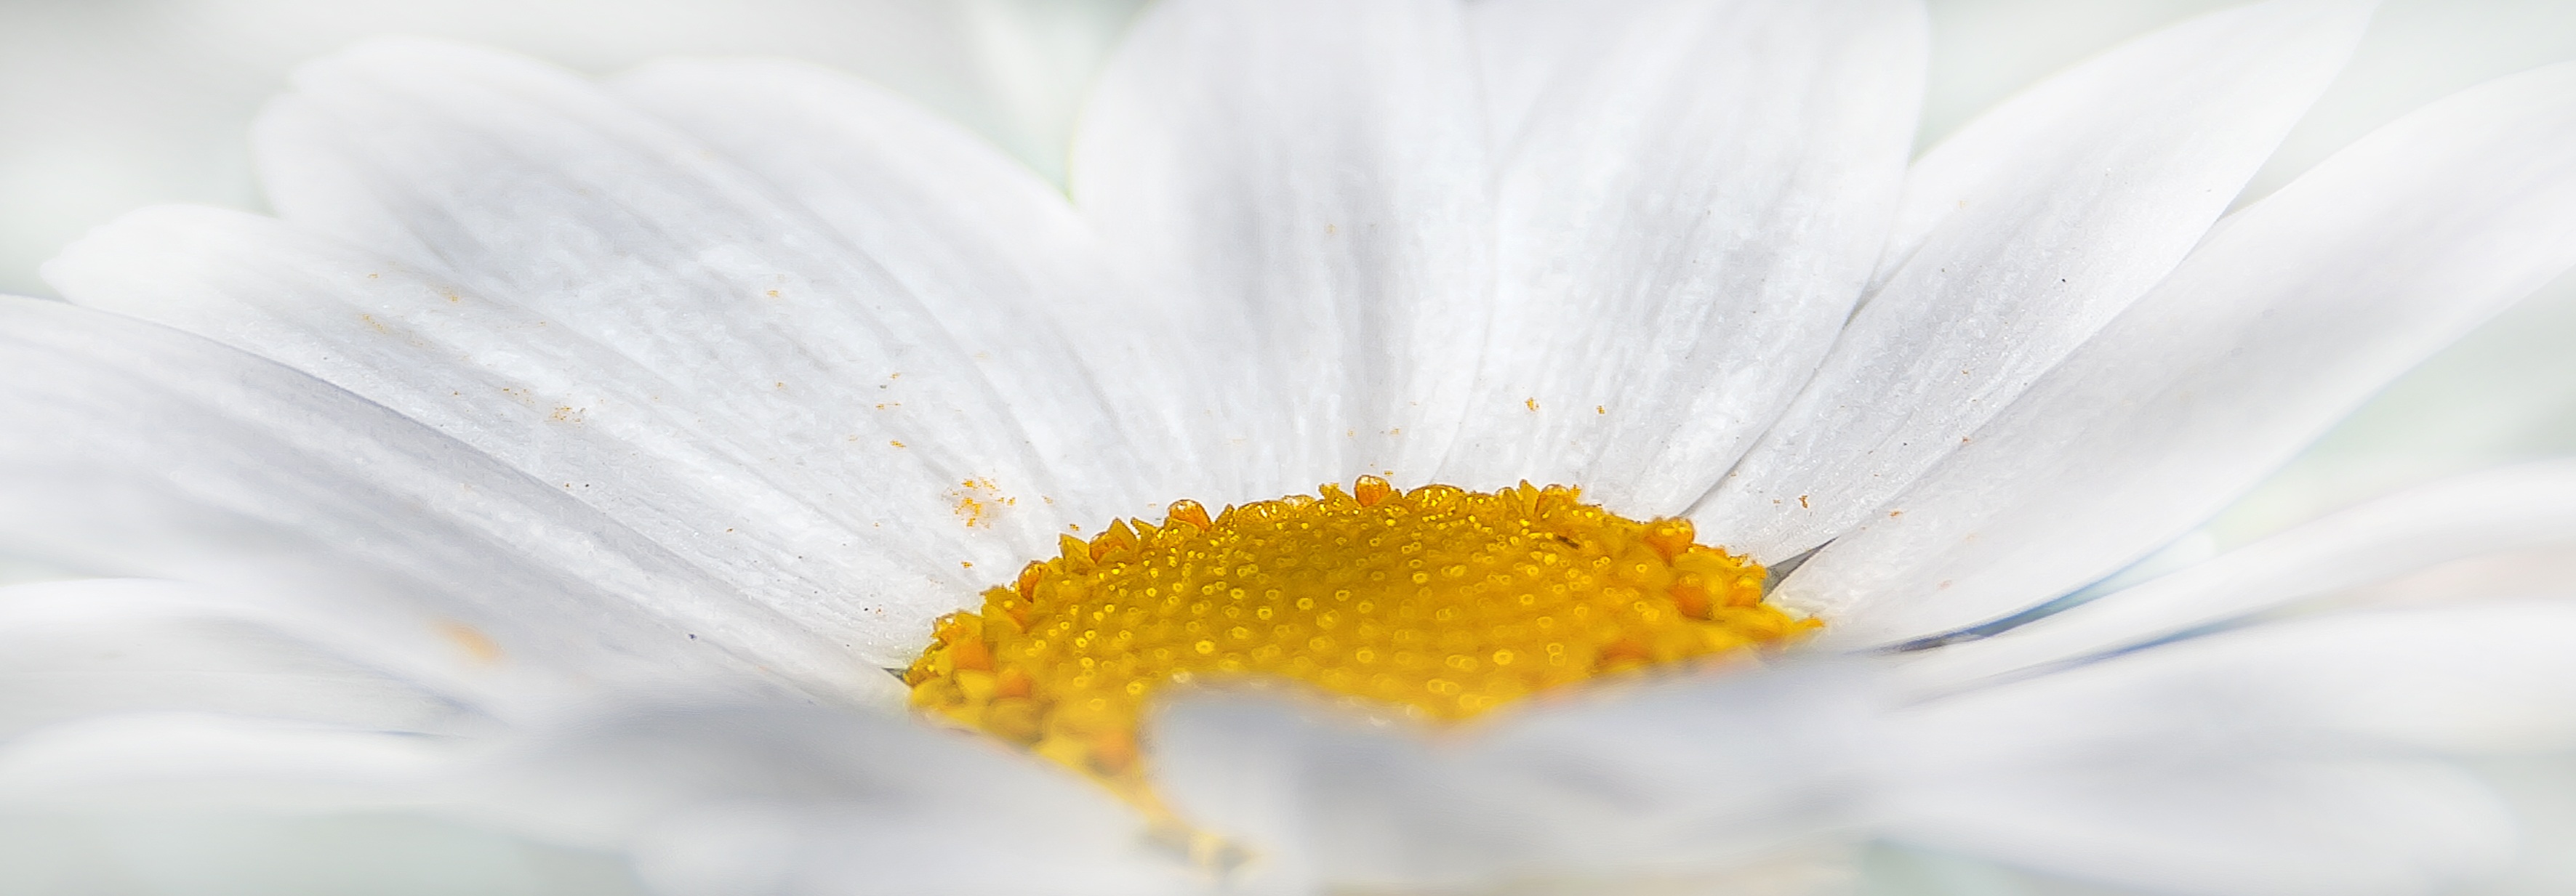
<point>620,434</point>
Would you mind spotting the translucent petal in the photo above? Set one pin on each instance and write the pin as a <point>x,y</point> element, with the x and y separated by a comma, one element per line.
<point>195,461</point>
<point>958,222</point>
<point>2287,316</point>
<point>1308,182</point>
<point>2019,238</point>
<point>2486,513</point>
<point>1611,790</point>
<point>527,185</point>
<point>1689,196</point>
<point>77,649</point>
<point>838,558</point>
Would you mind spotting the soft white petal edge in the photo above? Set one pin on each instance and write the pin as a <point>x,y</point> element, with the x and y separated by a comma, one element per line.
<point>137,447</point>
<point>1613,789</point>
<point>84,648</point>
<point>1688,197</point>
<point>2496,511</point>
<point>2287,316</point>
<point>1306,184</point>
<point>530,186</point>
<point>560,408</point>
<point>2037,223</point>
<point>956,221</point>
<point>2287,758</point>
<point>730,797</point>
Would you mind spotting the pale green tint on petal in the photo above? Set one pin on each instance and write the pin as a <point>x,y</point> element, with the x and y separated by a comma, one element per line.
<point>2541,792</point>
<point>1689,197</point>
<point>2222,827</point>
<point>184,854</point>
<point>2292,312</point>
<point>193,761</point>
<point>2019,237</point>
<point>2503,394</point>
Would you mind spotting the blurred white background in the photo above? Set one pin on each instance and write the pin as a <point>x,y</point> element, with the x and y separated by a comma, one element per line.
<point>106,105</point>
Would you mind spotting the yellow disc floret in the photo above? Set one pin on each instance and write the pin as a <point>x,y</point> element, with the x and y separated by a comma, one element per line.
<point>1437,603</point>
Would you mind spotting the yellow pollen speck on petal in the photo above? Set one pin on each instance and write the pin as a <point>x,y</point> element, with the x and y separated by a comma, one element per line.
<point>473,642</point>
<point>976,500</point>
<point>1438,604</point>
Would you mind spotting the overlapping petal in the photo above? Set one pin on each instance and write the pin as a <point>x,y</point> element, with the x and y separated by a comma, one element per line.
<point>2019,238</point>
<point>530,186</point>
<point>2288,315</point>
<point>2495,512</point>
<point>138,448</point>
<point>736,373</point>
<point>1688,197</point>
<point>1307,184</point>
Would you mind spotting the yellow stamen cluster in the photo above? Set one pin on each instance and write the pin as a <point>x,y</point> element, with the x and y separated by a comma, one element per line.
<point>1438,603</point>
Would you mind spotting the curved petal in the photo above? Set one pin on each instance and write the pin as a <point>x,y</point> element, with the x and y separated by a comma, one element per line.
<point>2360,828</point>
<point>956,221</point>
<point>841,558</point>
<point>2019,238</point>
<point>1307,182</point>
<point>2487,513</point>
<point>2268,760</point>
<point>135,447</point>
<point>1688,199</point>
<point>767,798</point>
<point>1730,778</point>
<point>78,649</point>
<point>527,185</point>
<point>199,761</point>
<point>2286,317</point>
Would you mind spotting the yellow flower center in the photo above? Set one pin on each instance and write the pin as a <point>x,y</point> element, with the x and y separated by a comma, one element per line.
<point>1437,603</point>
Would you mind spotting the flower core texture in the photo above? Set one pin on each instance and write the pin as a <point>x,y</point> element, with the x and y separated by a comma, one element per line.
<point>1436,603</point>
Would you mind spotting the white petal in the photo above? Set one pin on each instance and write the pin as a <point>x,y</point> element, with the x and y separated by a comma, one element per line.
<point>2267,760</point>
<point>2489,678</point>
<point>2019,238</point>
<point>76,649</point>
<point>2492,512</point>
<point>275,854</point>
<point>838,558</point>
<point>1308,181</point>
<point>2224,829</point>
<point>958,222</point>
<point>1687,206</point>
<point>195,461</point>
<point>193,761</point>
<point>524,184</point>
<point>1671,780</point>
<point>779,799</point>
<point>2286,317</point>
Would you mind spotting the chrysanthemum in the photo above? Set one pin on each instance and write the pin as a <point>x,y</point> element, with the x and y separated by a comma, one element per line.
<point>579,457</point>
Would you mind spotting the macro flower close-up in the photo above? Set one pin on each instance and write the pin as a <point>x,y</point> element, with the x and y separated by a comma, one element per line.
<point>1417,447</point>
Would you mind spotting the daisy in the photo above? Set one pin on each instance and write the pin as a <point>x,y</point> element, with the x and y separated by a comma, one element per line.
<point>578,458</point>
